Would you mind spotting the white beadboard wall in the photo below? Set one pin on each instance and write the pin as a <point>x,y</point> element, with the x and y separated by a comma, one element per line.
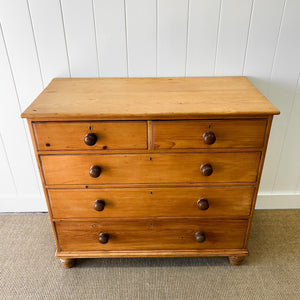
<point>43,39</point>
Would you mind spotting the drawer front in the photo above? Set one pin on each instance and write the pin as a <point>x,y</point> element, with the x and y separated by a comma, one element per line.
<point>150,168</point>
<point>151,202</point>
<point>109,135</point>
<point>151,234</point>
<point>209,134</point>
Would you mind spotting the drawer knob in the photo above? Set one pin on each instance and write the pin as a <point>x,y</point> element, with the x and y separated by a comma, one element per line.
<point>209,137</point>
<point>203,204</point>
<point>99,205</point>
<point>206,169</point>
<point>95,171</point>
<point>103,237</point>
<point>90,139</point>
<point>200,237</point>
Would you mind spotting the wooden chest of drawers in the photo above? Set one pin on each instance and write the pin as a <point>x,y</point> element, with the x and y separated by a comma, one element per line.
<point>151,167</point>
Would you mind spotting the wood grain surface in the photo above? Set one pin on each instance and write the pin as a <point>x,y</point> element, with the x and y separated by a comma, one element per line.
<point>110,135</point>
<point>189,134</point>
<point>151,253</point>
<point>151,202</point>
<point>137,234</point>
<point>148,98</point>
<point>152,168</point>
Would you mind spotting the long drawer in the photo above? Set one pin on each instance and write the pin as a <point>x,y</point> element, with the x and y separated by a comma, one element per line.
<point>102,135</point>
<point>209,134</point>
<point>154,202</point>
<point>150,168</point>
<point>143,234</point>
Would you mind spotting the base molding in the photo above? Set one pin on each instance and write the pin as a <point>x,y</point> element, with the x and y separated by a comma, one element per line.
<point>15,203</point>
<point>278,201</point>
<point>150,253</point>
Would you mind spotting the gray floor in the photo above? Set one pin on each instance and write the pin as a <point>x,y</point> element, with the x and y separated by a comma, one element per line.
<point>30,271</point>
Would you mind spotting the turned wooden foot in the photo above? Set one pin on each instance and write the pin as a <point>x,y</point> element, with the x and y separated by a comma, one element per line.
<point>236,260</point>
<point>67,263</point>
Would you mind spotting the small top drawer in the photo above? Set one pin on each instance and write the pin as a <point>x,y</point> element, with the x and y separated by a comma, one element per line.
<point>209,134</point>
<point>91,135</point>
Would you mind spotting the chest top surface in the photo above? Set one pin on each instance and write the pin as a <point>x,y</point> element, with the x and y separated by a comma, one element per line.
<point>149,98</point>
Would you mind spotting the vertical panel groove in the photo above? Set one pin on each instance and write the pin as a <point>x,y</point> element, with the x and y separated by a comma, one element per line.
<point>141,37</point>
<point>10,68</point>
<point>80,37</point>
<point>276,48</point>
<point>111,38</point>
<point>187,37</point>
<point>19,109</point>
<point>35,46</point>
<point>249,27</point>
<point>126,36</point>
<point>6,156</point>
<point>66,45</point>
<point>271,76</point>
<point>98,62</point>
<point>266,51</point>
<point>218,33</point>
<point>285,132</point>
<point>172,38</point>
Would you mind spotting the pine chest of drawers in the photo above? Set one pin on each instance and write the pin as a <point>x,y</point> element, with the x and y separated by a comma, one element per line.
<point>151,167</point>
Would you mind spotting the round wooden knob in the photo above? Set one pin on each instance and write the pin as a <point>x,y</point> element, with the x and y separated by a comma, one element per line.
<point>200,237</point>
<point>206,169</point>
<point>95,171</point>
<point>203,204</point>
<point>90,139</point>
<point>209,137</point>
<point>103,237</point>
<point>99,205</point>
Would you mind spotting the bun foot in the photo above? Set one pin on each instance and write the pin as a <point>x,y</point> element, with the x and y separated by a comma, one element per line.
<point>236,260</point>
<point>67,263</point>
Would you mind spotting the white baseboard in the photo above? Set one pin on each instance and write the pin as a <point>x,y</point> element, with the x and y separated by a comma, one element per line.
<point>23,204</point>
<point>278,201</point>
<point>38,203</point>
